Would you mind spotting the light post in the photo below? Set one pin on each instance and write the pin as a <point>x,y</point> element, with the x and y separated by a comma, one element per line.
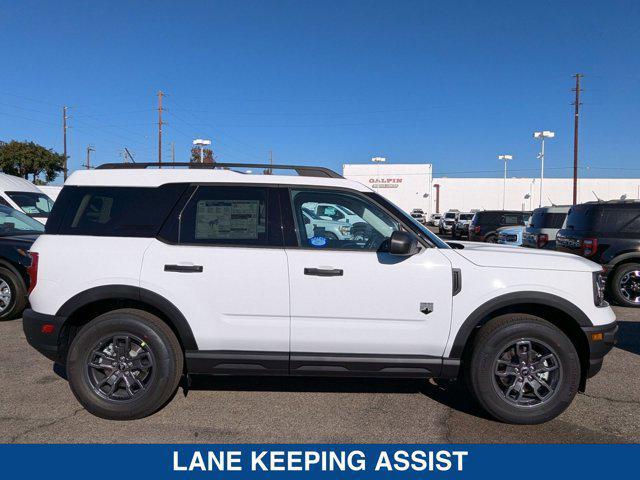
<point>541,136</point>
<point>199,142</point>
<point>504,187</point>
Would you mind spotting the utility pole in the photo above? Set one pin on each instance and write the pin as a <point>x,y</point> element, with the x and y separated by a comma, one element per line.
<point>89,150</point>
<point>64,140</point>
<point>576,118</point>
<point>160,95</point>
<point>270,162</point>
<point>173,152</point>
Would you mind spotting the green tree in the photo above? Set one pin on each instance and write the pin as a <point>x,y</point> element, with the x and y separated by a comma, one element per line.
<point>207,154</point>
<point>28,158</point>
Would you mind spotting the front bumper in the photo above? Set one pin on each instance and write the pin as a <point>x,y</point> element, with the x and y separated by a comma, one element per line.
<point>601,340</point>
<point>44,333</point>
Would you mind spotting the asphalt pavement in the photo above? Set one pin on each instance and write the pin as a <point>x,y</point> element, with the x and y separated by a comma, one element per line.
<point>36,406</point>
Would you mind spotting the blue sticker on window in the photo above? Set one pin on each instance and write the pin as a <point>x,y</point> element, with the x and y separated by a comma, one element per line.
<point>318,241</point>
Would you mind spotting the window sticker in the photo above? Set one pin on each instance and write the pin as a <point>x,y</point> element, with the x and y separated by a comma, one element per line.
<point>318,241</point>
<point>227,219</point>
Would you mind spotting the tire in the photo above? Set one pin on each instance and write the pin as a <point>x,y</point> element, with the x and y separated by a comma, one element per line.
<point>625,285</point>
<point>150,389</point>
<point>13,294</point>
<point>498,395</point>
<point>491,239</point>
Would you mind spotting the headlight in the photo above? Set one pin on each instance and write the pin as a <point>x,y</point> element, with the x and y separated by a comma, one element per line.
<point>599,283</point>
<point>345,230</point>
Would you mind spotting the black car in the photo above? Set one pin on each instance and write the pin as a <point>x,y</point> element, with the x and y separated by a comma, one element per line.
<point>485,224</point>
<point>608,233</point>
<point>17,233</point>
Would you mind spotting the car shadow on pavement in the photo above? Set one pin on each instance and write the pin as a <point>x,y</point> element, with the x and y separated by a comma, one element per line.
<point>629,336</point>
<point>451,394</point>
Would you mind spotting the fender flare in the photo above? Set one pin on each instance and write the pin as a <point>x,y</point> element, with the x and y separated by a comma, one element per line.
<point>130,292</point>
<point>512,299</point>
<point>622,258</point>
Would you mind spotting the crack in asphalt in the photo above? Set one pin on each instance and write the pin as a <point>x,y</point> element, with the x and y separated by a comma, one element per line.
<point>15,438</point>
<point>614,400</point>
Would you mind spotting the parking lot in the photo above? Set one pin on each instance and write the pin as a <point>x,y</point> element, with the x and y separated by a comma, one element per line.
<point>37,406</point>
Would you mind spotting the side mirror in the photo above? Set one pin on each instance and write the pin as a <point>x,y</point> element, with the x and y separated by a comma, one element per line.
<point>403,243</point>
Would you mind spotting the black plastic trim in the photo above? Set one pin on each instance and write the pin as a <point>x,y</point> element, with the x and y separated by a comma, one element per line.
<point>456,273</point>
<point>512,299</point>
<point>45,343</point>
<point>225,362</point>
<point>598,349</point>
<point>112,292</point>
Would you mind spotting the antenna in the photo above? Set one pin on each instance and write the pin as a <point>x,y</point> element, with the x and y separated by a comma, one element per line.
<point>594,194</point>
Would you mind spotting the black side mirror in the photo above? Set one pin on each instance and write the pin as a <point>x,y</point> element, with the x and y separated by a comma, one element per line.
<point>403,243</point>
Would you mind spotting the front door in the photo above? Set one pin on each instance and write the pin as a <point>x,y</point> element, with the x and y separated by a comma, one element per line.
<point>355,307</point>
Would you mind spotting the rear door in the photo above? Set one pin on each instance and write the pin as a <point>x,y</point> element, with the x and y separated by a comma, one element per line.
<point>356,308</point>
<point>220,261</point>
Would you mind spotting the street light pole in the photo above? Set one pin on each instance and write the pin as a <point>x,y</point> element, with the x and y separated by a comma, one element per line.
<point>504,186</point>
<point>541,136</point>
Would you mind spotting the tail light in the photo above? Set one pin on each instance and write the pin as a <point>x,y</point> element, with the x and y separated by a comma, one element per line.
<point>32,271</point>
<point>589,246</point>
<point>542,240</point>
<point>477,229</point>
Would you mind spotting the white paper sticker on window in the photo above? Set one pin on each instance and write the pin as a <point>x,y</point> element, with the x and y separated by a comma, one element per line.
<point>227,219</point>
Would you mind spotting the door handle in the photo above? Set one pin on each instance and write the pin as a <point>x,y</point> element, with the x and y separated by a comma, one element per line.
<point>324,272</point>
<point>183,268</point>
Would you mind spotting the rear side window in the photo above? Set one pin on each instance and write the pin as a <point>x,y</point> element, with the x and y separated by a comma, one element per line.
<point>231,216</point>
<point>113,211</point>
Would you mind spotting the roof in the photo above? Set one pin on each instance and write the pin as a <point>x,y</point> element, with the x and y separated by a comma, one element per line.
<point>156,177</point>
<point>10,183</point>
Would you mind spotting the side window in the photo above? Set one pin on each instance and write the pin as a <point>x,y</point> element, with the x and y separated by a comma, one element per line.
<point>114,211</point>
<point>366,228</point>
<point>510,219</point>
<point>219,215</point>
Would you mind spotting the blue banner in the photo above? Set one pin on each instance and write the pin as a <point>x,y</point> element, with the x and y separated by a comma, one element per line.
<point>155,462</point>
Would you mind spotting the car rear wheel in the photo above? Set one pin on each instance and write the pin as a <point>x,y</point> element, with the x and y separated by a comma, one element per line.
<point>625,285</point>
<point>491,239</point>
<point>13,294</point>
<point>523,369</point>
<point>125,364</point>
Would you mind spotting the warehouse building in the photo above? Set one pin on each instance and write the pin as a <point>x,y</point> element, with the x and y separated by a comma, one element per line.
<point>413,186</point>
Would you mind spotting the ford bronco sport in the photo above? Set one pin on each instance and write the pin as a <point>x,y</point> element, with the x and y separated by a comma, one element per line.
<point>145,275</point>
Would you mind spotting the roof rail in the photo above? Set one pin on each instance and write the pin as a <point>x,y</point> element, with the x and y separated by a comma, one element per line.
<point>302,170</point>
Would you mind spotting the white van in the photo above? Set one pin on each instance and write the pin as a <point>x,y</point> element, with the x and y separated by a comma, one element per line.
<point>24,196</point>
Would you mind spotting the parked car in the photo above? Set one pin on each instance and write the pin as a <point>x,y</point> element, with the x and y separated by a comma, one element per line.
<point>485,224</point>
<point>447,221</point>
<point>607,233</point>
<point>21,194</point>
<point>329,229</point>
<point>511,235</point>
<point>17,234</point>
<point>418,214</point>
<point>461,227</point>
<point>208,274</point>
<point>543,227</point>
<point>434,219</point>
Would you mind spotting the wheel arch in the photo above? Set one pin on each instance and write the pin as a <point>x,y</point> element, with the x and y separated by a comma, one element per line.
<point>86,305</point>
<point>558,311</point>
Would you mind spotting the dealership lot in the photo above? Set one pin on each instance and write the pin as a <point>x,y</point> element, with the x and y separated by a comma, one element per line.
<point>37,406</point>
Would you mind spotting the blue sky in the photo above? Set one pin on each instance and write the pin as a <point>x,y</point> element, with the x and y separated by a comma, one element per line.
<point>328,82</point>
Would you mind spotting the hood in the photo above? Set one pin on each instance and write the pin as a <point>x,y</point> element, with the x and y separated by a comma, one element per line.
<point>515,229</point>
<point>492,255</point>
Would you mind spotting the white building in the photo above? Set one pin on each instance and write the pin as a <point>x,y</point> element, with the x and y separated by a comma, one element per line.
<point>412,186</point>
<point>407,185</point>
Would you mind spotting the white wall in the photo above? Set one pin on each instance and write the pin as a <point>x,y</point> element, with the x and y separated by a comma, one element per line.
<point>470,193</point>
<point>407,184</point>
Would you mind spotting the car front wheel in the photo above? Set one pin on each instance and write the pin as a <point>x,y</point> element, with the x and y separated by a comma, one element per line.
<point>13,294</point>
<point>125,364</point>
<point>523,369</point>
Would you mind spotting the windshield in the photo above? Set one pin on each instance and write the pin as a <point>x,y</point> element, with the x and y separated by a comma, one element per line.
<point>449,215</point>
<point>32,203</point>
<point>466,216</point>
<point>13,222</point>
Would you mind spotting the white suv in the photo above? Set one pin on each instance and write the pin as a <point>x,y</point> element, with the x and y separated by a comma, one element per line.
<point>145,275</point>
